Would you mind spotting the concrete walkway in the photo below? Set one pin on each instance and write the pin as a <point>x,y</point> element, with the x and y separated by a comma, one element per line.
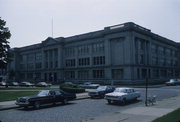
<point>140,113</point>
<point>11,104</point>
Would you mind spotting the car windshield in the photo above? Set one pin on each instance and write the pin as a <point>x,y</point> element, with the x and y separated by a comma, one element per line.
<point>43,93</point>
<point>173,80</point>
<point>101,88</point>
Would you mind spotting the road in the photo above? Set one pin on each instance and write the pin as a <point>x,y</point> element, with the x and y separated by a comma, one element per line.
<point>79,110</point>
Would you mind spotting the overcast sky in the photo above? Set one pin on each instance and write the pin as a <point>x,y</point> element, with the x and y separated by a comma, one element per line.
<point>30,21</point>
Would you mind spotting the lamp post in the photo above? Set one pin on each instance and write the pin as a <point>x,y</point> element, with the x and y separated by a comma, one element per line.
<point>146,91</point>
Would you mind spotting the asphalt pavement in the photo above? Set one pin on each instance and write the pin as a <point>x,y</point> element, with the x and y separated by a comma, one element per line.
<point>109,113</point>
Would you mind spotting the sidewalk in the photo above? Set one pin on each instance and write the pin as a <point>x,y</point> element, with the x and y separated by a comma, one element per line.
<point>141,113</point>
<point>11,104</point>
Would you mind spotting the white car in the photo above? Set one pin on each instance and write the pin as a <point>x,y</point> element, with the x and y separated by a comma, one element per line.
<point>173,82</point>
<point>122,95</point>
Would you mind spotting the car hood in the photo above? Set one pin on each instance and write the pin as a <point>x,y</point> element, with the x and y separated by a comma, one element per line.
<point>28,97</point>
<point>116,94</point>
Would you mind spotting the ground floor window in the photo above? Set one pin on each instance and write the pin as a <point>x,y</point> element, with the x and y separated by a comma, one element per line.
<point>98,73</point>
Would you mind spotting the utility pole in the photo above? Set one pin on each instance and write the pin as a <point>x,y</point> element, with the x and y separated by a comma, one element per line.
<point>146,91</point>
<point>52,26</point>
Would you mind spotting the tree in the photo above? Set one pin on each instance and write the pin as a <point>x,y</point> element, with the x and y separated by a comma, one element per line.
<point>4,44</point>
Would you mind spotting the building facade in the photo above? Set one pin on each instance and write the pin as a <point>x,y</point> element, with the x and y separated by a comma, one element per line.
<point>122,53</point>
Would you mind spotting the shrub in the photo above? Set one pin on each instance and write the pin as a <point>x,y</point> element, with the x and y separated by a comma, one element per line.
<point>72,88</point>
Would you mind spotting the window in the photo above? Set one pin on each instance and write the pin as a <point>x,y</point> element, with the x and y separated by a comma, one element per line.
<point>38,65</point>
<point>98,73</point>
<point>70,51</point>
<point>84,61</point>
<point>100,60</point>
<point>83,49</point>
<point>70,62</point>
<point>38,56</point>
<point>98,47</point>
<point>30,57</point>
<point>30,66</point>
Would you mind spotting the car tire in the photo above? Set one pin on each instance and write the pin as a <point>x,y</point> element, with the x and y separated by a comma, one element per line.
<point>124,101</point>
<point>65,102</point>
<point>109,101</point>
<point>36,105</point>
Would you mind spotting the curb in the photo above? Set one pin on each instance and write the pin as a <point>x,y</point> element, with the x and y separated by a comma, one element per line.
<point>15,106</point>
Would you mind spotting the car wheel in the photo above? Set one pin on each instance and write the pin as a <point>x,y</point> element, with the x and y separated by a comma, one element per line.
<point>124,101</point>
<point>65,101</point>
<point>109,101</point>
<point>36,105</point>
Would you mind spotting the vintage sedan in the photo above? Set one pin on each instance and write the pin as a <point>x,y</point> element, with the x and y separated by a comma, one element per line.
<point>122,95</point>
<point>101,91</point>
<point>172,82</point>
<point>26,84</point>
<point>45,97</point>
<point>13,84</point>
<point>2,83</point>
<point>43,84</point>
<point>89,85</point>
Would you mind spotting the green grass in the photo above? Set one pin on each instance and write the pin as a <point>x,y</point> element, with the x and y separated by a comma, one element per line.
<point>171,117</point>
<point>12,95</point>
<point>35,88</point>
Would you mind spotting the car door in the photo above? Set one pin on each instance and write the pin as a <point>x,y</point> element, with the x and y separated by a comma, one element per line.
<point>51,97</point>
<point>59,96</point>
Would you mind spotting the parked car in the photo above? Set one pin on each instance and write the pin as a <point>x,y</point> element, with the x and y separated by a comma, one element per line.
<point>101,91</point>
<point>26,84</point>
<point>45,97</point>
<point>122,95</point>
<point>89,85</point>
<point>173,82</point>
<point>43,84</point>
<point>2,83</point>
<point>13,84</point>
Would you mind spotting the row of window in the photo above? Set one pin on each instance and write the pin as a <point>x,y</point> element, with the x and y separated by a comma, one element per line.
<point>85,49</point>
<point>84,74</point>
<point>162,51</point>
<point>163,62</point>
<point>154,73</point>
<point>99,60</point>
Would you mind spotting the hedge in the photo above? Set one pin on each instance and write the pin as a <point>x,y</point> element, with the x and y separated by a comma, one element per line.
<point>72,88</point>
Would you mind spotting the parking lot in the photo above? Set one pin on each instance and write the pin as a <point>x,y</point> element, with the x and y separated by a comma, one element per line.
<point>79,110</point>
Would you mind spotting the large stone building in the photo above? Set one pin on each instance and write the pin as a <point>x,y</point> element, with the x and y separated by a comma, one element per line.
<point>122,53</point>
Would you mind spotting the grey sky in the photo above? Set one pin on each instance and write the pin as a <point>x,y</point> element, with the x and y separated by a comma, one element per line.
<point>30,20</point>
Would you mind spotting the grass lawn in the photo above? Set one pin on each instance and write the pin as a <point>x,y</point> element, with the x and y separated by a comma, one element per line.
<point>12,95</point>
<point>171,117</point>
<point>27,88</point>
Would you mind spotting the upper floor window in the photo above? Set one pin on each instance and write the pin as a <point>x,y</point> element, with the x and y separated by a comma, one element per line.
<point>70,62</point>
<point>98,47</point>
<point>84,61</point>
<point>70,51</point>
<point>84,49</point>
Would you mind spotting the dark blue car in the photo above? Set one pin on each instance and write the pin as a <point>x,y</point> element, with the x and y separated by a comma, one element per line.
<point>101,91</point>
<point>45,97</point>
